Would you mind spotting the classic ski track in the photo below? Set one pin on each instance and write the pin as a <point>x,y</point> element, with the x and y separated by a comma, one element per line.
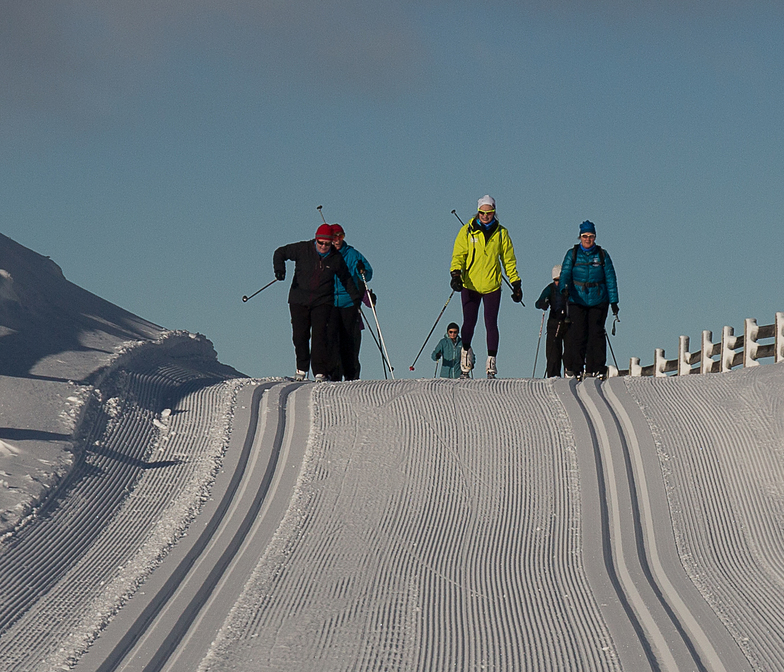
<point>164,627</point>
<point>726,504</point>
<point>681,633</point>
<point>60,574</point>
<point>426,534</point>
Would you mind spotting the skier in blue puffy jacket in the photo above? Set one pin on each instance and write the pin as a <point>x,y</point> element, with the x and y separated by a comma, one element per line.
<point>448,351</point>
<point>588,277</point>
<point>345,322</point>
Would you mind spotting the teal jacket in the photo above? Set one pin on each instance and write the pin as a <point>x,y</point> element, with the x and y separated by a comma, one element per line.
<point>590,279</point>
<point>351,256</point>
<point>449,353</point>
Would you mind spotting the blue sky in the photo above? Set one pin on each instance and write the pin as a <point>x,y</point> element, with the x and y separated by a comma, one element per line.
<point>160,153</point>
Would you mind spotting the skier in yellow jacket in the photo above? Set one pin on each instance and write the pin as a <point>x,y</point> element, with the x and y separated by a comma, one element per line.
<point>481,248</point>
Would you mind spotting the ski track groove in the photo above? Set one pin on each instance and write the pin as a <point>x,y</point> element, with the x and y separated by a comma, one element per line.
<point>428,535</point>
<point>729,539</point>
<point>116,499</point>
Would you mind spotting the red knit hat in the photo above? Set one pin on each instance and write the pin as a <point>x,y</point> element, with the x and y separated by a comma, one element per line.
<point>324,232</point>
<point>336,229</point>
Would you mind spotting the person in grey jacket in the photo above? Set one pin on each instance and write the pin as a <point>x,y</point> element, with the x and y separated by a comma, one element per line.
<point>588,278</point>
<point>448,351</point>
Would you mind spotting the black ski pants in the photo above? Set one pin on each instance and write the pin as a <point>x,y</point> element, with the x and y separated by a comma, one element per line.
<point>585,339</point>
<point>345,336</point>
<point>554,346</point>
<point>307,322</point>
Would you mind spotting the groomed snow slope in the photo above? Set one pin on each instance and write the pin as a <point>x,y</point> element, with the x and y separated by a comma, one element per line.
<point>527,525</point>
<point>720,443</point>
<point>436,526</point>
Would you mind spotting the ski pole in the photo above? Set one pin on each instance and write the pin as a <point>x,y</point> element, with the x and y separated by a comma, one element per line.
<point>245,299</point>
<point>541,326</point>
<point>375,340</point>
<point>611,349</point>
<point>321,213</point>
<point>378,327</point>
<point>435,373</point>
<point>411,368</point>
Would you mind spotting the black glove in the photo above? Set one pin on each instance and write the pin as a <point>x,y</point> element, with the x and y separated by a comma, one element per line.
<point>614,307</point>
<point>360,267</point>
<point>372,297</point>
<point>457,282</point>
<point>280,275</point>
<point>517,291</point>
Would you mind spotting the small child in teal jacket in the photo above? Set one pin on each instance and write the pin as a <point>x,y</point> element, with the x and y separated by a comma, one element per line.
<point>448,350</point>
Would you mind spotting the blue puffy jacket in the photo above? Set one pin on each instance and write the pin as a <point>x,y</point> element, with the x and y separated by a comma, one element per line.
<point>590,280</point>
<point>351,256</point>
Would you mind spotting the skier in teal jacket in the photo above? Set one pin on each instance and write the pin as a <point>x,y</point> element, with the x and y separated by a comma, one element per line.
<point>588,278</point>
<point>448,351</point>
<point>345,328</point>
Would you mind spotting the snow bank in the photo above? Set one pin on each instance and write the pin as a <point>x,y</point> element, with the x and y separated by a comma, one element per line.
<point>60,348</point>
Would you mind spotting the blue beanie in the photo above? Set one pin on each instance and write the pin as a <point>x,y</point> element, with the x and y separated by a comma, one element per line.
<point>587,227</point>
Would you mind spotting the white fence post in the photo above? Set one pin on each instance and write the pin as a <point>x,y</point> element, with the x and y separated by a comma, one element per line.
<point>728,340</point>
<point>634,367</point>
<point>659,363</point>
<point>750,331</point>
<point>706,356</point>
<point>779,338</point>
<point>684,364</point>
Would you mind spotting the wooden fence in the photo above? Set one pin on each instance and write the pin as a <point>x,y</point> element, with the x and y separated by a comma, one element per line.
<point>727,353</point>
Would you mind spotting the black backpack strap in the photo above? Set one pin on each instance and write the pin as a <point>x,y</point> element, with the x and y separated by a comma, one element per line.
<point>599,249</point>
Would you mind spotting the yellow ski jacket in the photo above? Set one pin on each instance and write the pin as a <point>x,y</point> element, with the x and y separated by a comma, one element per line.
<point>479,255</point>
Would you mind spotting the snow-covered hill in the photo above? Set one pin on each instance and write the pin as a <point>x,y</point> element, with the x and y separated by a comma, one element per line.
<point>59,348</point>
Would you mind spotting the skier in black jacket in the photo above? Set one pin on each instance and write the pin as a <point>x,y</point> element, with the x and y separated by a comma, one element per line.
<point>552,298</point>
<point>311,297</point>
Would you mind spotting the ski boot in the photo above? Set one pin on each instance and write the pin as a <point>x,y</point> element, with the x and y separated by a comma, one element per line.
<point>466,362</point>
<point>490,367</point>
